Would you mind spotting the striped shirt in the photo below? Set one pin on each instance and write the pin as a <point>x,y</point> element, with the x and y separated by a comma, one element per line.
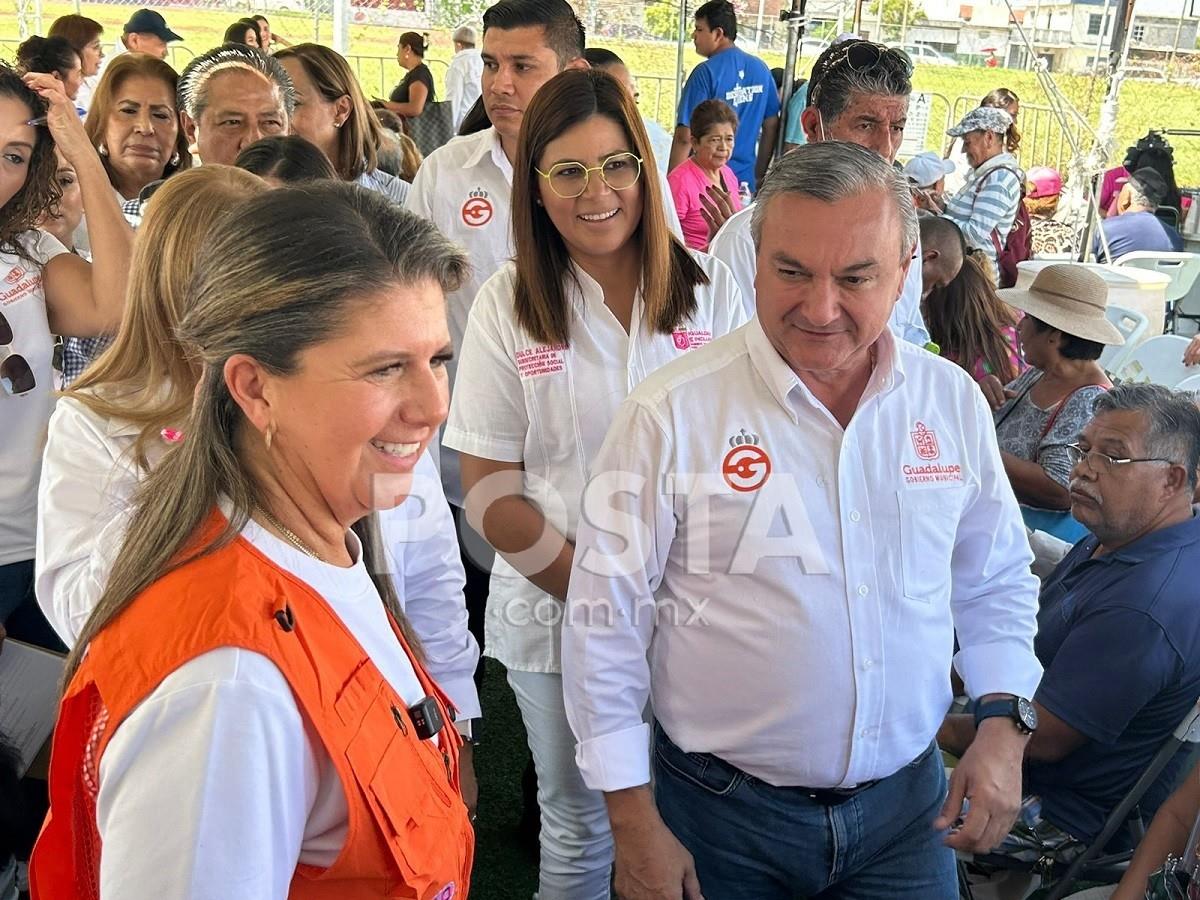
<point>988,202</point>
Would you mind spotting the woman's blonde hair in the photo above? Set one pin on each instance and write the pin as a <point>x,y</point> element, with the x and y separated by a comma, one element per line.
<point>360,136</point>
<point>282,272</point>
<point>104,102</point>
<point>144,378</point>
<point>669,273</point>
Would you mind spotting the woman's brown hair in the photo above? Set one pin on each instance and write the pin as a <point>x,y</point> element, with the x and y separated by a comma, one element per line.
<point>40,193</point>
<point>669,273</point>
<point>78,30</point>
<point>1003,98</point>
<point>144,378</point>
<point>361,135</point>
<point>708,115</point>
<point>104,103</point>
<point>966,319</point>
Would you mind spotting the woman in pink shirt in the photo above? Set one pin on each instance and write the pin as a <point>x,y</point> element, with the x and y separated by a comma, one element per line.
<point>713,126</point>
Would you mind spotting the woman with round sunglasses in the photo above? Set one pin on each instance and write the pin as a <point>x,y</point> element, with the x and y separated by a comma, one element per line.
<point>44,291</point>
<point>600,294</point>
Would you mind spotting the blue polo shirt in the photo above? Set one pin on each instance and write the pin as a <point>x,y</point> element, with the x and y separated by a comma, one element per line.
<point>1136,231</point>
<point>1119,639</point>
<point>745,83</point>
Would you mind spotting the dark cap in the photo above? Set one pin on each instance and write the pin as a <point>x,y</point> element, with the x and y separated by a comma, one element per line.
<point>147,21</point>
<point>1151,185</point>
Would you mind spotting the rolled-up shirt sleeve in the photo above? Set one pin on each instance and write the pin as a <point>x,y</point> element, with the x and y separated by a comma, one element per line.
<point>625,532</point>
<point>994,593</point>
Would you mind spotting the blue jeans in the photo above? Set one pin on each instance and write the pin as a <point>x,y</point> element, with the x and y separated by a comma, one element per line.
<point>752,841</point>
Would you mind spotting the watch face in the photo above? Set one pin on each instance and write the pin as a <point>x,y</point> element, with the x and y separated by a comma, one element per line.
<point>1027,714</point>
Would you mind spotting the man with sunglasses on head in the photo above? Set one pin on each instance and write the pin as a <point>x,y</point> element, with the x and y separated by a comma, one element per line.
<point>1118,635</point>
<point>858,93</point>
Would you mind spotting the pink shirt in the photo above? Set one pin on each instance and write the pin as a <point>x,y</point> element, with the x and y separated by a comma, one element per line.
<point>688,181</point>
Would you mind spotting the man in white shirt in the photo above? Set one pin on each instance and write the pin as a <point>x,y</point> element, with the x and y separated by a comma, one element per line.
<point>463,74</point>
<point>858,93</point>
<point>795,642</point>
<point>231,97</point>
<point>607,61</point>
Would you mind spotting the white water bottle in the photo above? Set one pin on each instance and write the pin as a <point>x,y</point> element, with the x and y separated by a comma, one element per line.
<point>744,193</point>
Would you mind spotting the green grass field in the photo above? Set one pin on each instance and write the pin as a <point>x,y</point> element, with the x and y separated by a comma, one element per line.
<point>1144,105</point>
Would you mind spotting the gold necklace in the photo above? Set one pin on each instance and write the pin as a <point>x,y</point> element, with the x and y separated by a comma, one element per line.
<point>289,535</point>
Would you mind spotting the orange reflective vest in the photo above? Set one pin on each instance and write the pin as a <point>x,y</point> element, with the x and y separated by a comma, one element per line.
<point>408,831</point>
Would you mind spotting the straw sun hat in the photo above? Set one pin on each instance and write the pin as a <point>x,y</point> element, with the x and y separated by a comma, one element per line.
<point>1070,298</point>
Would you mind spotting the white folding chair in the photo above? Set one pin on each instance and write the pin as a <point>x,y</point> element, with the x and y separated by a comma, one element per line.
<point>1158,360</point>
<point>1132,325</point>
<point>1184,271</point>
<point>1192,383</point>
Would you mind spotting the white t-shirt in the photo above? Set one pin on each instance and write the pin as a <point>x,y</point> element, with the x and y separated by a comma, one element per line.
<point>85,497</point>
<point>217,785</point>
<point>549,407</point>
<point>734,246</point>
<point>465,189</point>
<point>24,417</point>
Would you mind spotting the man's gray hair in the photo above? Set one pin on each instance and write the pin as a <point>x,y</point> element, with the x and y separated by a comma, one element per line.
<point>833,171</point>
<point>464,34</point>
<point>1139,199</point>
<point>1172,417</point>
<point>193,81</point>
<point>835,89</point>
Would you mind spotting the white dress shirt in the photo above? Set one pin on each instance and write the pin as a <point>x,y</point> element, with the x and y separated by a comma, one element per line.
<point>216,785</point>
<point>465,189</point>
<point>85,497</point>
<point>463,82</point>
<point>784,591</point>
<point>548,407</point>
<point>734,246</point>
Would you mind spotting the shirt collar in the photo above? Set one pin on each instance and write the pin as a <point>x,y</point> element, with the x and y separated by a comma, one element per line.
<point>785,386</point>
<point>487,144</point>
<point>1156,543</point>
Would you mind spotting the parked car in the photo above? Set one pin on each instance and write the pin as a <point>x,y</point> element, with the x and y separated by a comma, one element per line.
<point>924,55</point>
<point>811,48</point>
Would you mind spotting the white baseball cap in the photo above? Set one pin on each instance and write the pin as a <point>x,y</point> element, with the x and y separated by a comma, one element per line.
<point>927,169</point>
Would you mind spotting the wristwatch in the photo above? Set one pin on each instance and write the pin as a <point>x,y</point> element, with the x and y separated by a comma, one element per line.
<point>1020,710</point>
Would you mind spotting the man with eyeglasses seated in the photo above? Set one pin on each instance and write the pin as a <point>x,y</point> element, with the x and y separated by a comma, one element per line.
<point>1118,630</point>
<point>858,93</point>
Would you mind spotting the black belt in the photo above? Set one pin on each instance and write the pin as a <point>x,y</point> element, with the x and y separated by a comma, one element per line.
<point>834,796</point>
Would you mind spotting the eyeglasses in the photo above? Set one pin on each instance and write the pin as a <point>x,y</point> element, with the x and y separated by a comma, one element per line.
<point>1101,462</point>
<point>861,56</point>
<point>717,141</point>
<point>570,179</point>
<point>16,377</point>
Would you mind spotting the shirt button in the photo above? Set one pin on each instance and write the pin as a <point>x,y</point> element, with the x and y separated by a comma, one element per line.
<point>820,481</point>
<point>863,590</point>
<point>867,733</point>
<point>867,663</point>
<point>854,515</point>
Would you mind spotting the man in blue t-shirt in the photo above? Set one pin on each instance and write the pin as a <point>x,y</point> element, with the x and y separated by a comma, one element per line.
<point>1136,227</point>
<point>741,80</point>
<point>1118,631</point>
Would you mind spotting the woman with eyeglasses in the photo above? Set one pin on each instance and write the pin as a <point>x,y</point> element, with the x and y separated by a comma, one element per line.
<point>44,291</point>
<point>713,126</point>
<point>599,295</point>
